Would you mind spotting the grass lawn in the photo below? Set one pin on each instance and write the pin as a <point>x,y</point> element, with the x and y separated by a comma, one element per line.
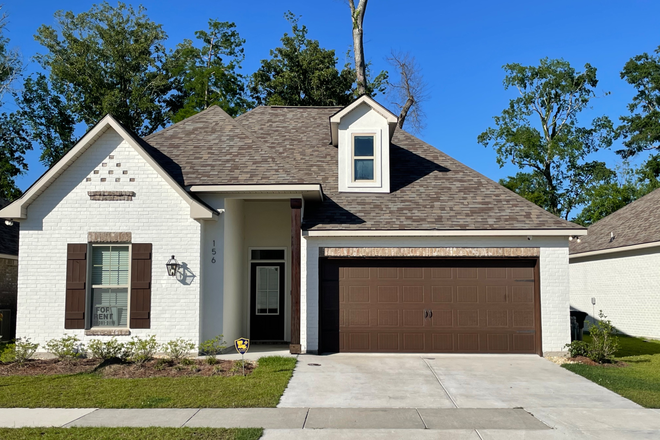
<point>262,388</point>
<point>639,381</point>
<point>130,433</point>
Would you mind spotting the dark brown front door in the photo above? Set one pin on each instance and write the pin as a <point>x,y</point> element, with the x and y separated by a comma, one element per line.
<point>267,301</point>
<point>430,306</point>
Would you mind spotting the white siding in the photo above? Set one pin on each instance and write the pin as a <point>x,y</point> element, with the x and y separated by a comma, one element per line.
<point>626,287</point>
<point>553,267</point>
<point>65,214</point>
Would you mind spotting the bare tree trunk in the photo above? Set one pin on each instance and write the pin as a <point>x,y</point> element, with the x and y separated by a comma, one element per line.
<point>357,16</point>
<point>404,111</point>
<point>409,91</point>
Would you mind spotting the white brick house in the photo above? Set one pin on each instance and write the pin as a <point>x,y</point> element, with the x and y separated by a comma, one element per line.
<point>617,266</point>
<point>325,228</point>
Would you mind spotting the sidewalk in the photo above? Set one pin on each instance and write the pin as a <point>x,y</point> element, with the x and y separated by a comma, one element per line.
<point>386,423</point>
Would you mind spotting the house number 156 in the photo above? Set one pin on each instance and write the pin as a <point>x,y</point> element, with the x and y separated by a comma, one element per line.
<point>213,253</point>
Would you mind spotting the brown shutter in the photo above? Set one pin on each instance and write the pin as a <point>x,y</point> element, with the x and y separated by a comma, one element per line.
<point>141,286</point>
<point>76,277</point>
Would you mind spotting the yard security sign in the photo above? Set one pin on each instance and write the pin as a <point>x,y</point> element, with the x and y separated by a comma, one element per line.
<point>242,345</point>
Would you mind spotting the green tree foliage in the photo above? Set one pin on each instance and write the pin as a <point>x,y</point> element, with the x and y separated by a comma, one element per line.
<point>539,133</point>
<point>208,75</point>
<point>108,60</point>
<point>641,129</point>
<point>301,73</point>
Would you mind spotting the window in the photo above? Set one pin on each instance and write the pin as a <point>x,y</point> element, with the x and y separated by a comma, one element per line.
<point>363,157</point>
<point>267,254</point>
<point>268,290</point>
<point>110,282</point>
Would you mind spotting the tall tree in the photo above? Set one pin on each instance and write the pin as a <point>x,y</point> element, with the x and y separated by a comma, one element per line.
<point>553,153</point>
<point>301,73</point>
<point>409,92</point>
<point>357,18</point>
<point>209,75</point>
<point>641,129</point>
<point>14,140</point>
<point>108,60</point>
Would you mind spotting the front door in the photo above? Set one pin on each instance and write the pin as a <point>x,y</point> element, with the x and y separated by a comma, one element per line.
<point>267,301</point>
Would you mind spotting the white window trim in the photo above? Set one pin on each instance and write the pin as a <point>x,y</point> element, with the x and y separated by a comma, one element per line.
<point>377,182</point>
<point>354,157</point>
<point>88,294</point>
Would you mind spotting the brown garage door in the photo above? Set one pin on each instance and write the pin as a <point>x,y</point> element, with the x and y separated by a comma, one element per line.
<point>429,306</point>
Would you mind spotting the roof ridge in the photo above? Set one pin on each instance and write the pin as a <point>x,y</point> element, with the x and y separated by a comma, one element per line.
<point>188,119</point>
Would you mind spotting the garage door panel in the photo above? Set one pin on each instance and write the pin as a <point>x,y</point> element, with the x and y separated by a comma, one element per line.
<point>445,306</point>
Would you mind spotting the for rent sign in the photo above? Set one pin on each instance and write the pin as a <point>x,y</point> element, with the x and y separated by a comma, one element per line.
<point>106,316</point>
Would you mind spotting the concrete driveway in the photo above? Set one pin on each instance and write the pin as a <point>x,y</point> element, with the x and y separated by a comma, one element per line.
<point>441,381</point>
<point>569,405</point>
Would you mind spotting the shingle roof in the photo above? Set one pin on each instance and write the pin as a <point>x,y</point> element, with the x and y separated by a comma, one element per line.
<point>269,145</point>
<point>636,223</point>
<point>8,235</point>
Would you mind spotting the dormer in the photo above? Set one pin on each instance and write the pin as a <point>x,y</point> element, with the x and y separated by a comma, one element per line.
<point>362,132</point>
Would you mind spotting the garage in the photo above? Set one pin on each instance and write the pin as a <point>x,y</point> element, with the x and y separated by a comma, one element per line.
<point>429,305</point>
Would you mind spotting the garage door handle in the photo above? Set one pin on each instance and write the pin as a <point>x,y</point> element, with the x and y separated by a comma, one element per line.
<point>430,313</point>
<point>426,313</point>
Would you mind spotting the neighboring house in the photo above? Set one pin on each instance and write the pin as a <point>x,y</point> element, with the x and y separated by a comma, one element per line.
<point>618,266</point>
<point>8,276</point>
<point>323,227</point>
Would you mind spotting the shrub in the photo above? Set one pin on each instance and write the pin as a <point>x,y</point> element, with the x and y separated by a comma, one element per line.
<point>141,350</point>
<point>577,348</point>
<point>211,360</point>
<point>212,347</point>
<point>18,352</point>
<point>66,348</point>
<point>178,349</point>
<point>603,343</point>
<point>105,350</point>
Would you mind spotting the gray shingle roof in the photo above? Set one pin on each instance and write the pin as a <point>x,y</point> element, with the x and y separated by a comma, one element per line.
<point>8,235</point>
<point>269,145</point>
<point>636,223</point>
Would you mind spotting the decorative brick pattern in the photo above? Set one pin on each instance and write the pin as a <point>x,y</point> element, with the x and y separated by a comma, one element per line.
<point>429,252</point>
<point>113,332</point>
<point>109,237</point>
<point>64,213</point>
<point>111,196</point>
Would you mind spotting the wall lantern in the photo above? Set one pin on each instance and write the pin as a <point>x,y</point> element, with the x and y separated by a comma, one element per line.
<point>574,237</point>
<point>172,266</point>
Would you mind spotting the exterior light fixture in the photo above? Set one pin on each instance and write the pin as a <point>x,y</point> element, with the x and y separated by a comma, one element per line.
<point>9,223</point>
<point>172,266</point>
<point>574,237</point>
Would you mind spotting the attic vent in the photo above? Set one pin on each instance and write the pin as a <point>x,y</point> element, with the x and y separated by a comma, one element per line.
<point>111,196</point>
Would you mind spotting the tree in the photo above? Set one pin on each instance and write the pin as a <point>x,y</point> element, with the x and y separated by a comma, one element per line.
<point>301,73</point>
<point>108,60</point>
<point>209,75</point>
<point>409,92</point>
<point>357,18</point>
<point>641,129</point>
<point>11,65</point>
<point>552,154</point>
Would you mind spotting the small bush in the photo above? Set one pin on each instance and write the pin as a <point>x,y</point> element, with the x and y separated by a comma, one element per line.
<point>140,350</point>
<point>178,349</point>
<point>212,347</point>
<point>188,361</point>
<point>161,364</point>
<point>577,348</point>
<point>603,343</point>
<point>19,352</point>
<point>66,348</point>
<point>211,360</point>
<point>105,350</point>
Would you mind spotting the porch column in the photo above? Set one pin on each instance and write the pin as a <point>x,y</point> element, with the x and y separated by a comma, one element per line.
<point>296,204</point>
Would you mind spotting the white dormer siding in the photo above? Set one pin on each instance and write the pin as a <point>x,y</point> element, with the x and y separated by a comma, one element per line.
<point>362,132</point>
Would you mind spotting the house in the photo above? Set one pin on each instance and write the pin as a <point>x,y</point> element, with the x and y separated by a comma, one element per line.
<point>323,227</point>
<point>616,268</point>
<point>8,276</point>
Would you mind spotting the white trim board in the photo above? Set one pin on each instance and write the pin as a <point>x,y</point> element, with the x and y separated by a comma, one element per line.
<point>451,233</point>
<point>306,191</point>
<point>9,257</point>
<point>615,250</point>
<point>18,209</point>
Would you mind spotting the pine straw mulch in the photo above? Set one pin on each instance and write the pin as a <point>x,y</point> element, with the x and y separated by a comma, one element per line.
<point>115,368</point>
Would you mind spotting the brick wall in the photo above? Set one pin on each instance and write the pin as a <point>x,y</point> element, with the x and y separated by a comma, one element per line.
<point>553,266</point>
<point>65,214</point>
<point>626,286</point>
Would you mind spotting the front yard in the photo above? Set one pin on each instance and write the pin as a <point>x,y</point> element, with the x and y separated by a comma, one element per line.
<point>263,387</point>
<point>637,380</point>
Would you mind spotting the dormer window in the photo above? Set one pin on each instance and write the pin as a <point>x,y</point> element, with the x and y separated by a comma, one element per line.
<point>363,157</point>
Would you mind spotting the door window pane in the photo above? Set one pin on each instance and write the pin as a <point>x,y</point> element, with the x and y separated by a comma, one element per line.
<point>268,290</point>
<point>109,307</point>
<point>268,254</point>
<point>364,169</point>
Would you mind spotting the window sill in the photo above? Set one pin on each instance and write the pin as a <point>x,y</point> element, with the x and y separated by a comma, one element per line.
<point>108,332</point>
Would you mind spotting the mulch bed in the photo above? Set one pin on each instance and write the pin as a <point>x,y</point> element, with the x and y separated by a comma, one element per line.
<point>115,368</point>
<point>587,361</point>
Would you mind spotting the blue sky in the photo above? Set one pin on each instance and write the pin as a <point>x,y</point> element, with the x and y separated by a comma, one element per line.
<point>461,47</point>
